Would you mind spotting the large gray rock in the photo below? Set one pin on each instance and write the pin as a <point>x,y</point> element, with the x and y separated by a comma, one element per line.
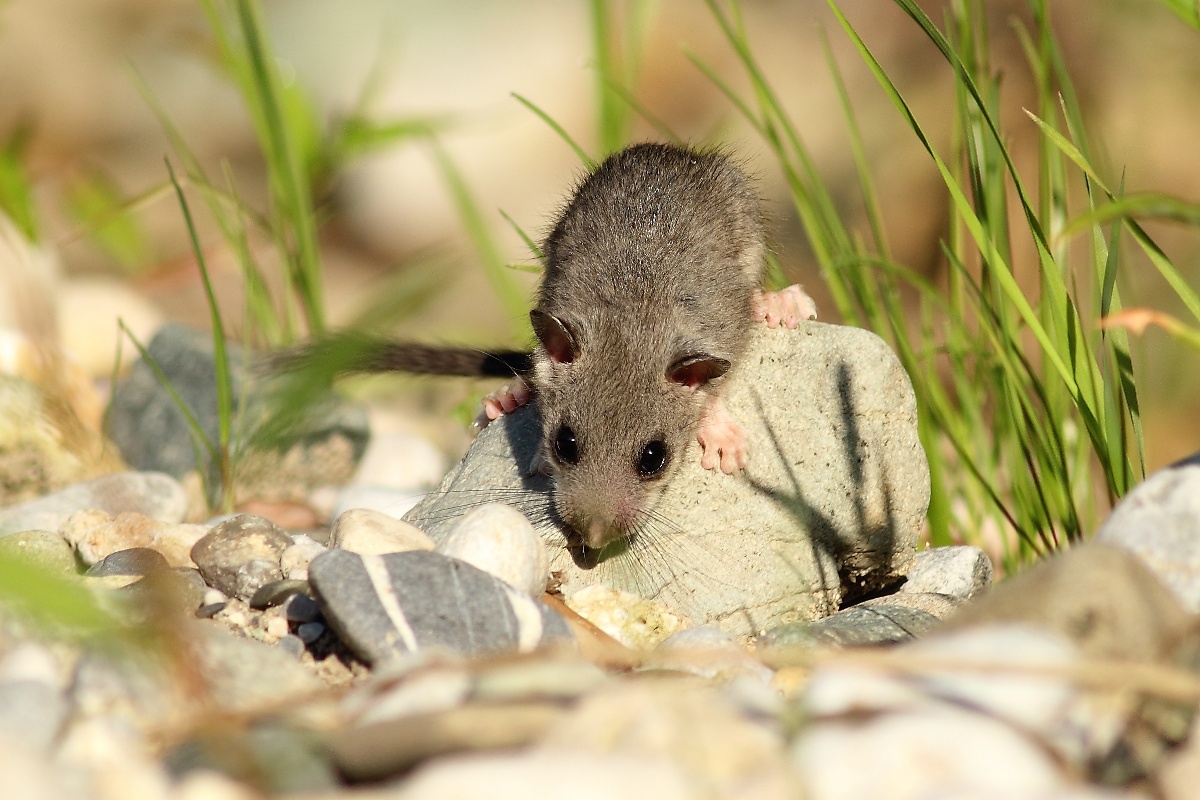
<point>152,433</point>
<point>829,507</point>
<point>1160,521</point>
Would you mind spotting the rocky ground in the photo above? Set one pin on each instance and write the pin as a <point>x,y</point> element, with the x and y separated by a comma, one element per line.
<point>782,637</point>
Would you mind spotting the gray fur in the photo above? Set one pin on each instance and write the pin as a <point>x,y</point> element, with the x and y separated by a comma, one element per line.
<point>655,258</point>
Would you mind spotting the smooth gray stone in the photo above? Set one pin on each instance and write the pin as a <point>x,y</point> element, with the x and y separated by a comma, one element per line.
<point>151,494</point>
<point>386,606</point>
<point>241,555</point>
<point>855,627</point>
<point>1159,520</point>
<point>276,593</point>
<point>210,610</point>
<point>828,509</point>
<point>32,712</point>
<point>152,433</point>
<point>48,550</point>
<point>309,632</point>
<point>292,644</point>
<point>131,561</point>
<point>301,608</point>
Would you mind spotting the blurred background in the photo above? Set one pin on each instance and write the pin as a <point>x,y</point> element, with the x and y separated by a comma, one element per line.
<point>79,80</point>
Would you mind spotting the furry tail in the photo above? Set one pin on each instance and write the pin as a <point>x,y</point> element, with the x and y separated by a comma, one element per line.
<point>351,353</point>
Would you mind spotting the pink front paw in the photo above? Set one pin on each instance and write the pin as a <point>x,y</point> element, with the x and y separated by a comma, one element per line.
<point>504,400</point>
<point>722,439</point>
<point>788,306</point>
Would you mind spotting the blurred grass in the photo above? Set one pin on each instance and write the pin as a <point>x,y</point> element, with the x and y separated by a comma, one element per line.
<point>1029,409</point>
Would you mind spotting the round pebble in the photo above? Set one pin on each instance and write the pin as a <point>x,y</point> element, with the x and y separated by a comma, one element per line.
<point>300,608</point>
<point>499,540</point>
<point>292,644</point>
<point>241,554</point>
<point>309,632</point>
<point>373,533</point>
<point>295,560</point>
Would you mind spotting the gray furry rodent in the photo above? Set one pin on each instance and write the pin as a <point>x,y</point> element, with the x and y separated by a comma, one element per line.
<point>651,285</point>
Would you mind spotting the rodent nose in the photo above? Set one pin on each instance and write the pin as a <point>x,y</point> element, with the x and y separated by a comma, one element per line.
<point>597,533</point>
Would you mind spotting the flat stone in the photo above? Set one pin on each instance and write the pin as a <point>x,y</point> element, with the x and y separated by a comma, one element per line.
<point>372,533</point>
<point>938,605</point>
<point>386,606</point>
<point>1159,520</point>
<point>860,626</point>
<point>97,535</point>
<point>134,561</point>
<point>960,571</point>
<point>151,494</point>
<point>500,541</point>
<point>240,555</point>
<point>48,550</point>
<point>830,506</point>
<point>276,592</point>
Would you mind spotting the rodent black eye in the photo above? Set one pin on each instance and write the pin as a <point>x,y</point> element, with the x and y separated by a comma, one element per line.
<point>653,459</point>
<point>565,446</point>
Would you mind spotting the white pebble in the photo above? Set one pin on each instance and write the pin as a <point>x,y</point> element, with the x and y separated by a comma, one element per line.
<point>295,559</point>
<point>373,533</point>
<point>213,596</point>
<point>499,540</point>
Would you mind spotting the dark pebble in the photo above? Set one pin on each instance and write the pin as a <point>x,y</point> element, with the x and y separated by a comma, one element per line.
<point>277,592</point>
<point>301,608</point>
<point>309,632</point>
<point>133,561</point>
<point>211,610</point>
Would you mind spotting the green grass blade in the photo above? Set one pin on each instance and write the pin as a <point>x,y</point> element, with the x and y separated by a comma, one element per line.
<point>588,161</point>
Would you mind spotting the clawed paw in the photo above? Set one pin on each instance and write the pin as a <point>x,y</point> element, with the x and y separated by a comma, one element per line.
<point>504,400</point>
<point>722,439</point>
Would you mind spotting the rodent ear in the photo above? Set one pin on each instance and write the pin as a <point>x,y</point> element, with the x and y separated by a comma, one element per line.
<point>695,370</point>
<point>554,336</point>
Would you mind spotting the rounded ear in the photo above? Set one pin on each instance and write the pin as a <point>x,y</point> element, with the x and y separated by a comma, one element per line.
<point>554,336</point>
<point>697,369</point>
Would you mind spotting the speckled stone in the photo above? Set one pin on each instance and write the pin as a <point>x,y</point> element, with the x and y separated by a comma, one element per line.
<point>240,555</point>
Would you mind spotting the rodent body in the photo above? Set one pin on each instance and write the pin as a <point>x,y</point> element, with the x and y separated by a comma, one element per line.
<point>650,287</point>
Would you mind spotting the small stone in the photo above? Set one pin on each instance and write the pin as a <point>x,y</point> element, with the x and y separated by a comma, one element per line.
<point>392,502</point>
<point>631,620</point>
<point>214,596</point>
<point>300,608</point>
<point>276,592</point>
<point>240,555</point>
<point>134,561</point>
<point>276,628</point>
<point>425,691</point>
<point>499,540</point>
<point>292,645</point>
<point>210,610</point>
<point>961,571</point>
<point>294,560</point>
<point>386,606</point>
<point>192,585</point>
<point>150,494</point>
<point>97,535</point>
<point>309,632</point>
<point>1159,520</point>
<point>373,533</point>
<point>48,550</point>
<point>860,626</point>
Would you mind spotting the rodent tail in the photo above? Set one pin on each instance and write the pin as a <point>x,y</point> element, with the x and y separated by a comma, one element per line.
<point>350,353</point>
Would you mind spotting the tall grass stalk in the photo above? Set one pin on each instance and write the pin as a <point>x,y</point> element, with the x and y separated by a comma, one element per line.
<point>1028,408</point>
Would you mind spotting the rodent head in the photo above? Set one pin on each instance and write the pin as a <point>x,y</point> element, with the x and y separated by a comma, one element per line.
<point>613,429</point>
